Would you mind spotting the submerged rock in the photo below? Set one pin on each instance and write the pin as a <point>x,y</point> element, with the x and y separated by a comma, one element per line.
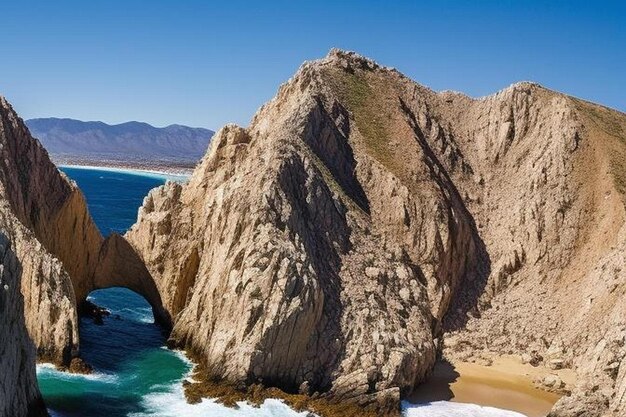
<point>97,313</point>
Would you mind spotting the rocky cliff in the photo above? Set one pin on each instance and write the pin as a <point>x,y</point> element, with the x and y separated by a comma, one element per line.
<point>19,253</point>
<point>361,225</point>
<point>298,256</point>
<point>361,219</point>
<point>37,301</point>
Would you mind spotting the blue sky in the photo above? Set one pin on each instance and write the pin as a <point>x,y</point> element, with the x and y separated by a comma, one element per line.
<point>208,63</point>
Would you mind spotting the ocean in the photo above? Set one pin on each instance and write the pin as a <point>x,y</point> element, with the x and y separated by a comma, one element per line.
<point>135,375</point>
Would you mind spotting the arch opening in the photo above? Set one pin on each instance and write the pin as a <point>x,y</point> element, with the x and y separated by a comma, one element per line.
<point>124,326</point>
<point>119,265</point>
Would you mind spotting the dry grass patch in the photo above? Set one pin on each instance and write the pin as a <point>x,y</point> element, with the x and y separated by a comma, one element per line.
<point>608,127</point>
<point>367,102</point>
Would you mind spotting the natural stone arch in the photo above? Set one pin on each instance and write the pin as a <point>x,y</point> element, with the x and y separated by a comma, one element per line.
<point>120,266</point>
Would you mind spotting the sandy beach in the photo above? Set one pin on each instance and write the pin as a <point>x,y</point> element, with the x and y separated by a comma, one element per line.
<point>166,174</point>
<point>155,166</point>
<point>506,384</point>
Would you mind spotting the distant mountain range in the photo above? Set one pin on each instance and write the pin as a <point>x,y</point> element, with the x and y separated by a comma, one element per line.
<point>127,141</point>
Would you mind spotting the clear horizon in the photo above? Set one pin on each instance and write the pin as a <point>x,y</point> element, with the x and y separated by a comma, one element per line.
<point>204,65</point>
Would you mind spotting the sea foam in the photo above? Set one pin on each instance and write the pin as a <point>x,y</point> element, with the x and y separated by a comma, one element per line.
<point>174,404</point>
<point>449,409</point>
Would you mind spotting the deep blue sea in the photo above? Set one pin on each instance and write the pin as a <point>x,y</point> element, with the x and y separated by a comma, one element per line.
<point>135,375</point>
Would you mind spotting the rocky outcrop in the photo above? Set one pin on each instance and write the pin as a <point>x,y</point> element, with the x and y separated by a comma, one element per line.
<point>550,210</point>
<point>42,218</point>
<point>361,218</point>
<point>296,258</point>
<point>48,203</point>
<point>37,197</point>
<point>358,227</point>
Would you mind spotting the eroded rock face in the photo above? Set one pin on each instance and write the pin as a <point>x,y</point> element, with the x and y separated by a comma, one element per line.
<point>358,221</point>
<point>38,197</point>
<point>550,208</point>
<point>39,211</point>
<point>46,202</point>
<point>361,217</point>
<point>19,394</point>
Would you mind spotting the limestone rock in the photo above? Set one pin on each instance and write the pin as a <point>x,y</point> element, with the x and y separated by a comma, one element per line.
<point>296,254</point>
<point>36,197</point>
<point>552,381</point>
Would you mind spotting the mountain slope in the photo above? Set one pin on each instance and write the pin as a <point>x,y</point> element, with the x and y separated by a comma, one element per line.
<point>135,140</point>
<point>362,218</point>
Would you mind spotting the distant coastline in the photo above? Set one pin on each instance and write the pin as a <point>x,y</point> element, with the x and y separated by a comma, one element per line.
<point>168,173</point>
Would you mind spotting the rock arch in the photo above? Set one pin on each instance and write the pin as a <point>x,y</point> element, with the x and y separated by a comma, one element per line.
<point>119,265</point>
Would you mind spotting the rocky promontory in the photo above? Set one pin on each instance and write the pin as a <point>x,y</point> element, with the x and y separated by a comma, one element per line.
<point>362,221</point>
<point>52,256</point>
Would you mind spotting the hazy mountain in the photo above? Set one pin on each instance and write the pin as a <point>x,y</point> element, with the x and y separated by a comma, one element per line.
<point>132,140</point>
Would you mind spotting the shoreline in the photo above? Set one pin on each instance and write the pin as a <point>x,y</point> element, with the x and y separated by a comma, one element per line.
<point>166,174</point>
<point>506,384</point>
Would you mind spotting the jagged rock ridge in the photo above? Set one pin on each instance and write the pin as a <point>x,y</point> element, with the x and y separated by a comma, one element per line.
<point>362,218</point>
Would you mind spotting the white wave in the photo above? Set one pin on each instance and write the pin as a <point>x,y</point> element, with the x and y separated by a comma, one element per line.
<point>171,402</point>
<point>50,370</point>
<point>140,314</point>
<point>182,356</point>
<point>448,409</point>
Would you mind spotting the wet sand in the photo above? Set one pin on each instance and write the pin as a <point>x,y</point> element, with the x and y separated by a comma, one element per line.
<point>507,384</point>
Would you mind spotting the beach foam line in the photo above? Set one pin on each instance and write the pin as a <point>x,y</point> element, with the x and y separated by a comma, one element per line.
<point>448,409</point>
<point>174,404</point>
<point>162,175</point>
<point>170,401</point>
